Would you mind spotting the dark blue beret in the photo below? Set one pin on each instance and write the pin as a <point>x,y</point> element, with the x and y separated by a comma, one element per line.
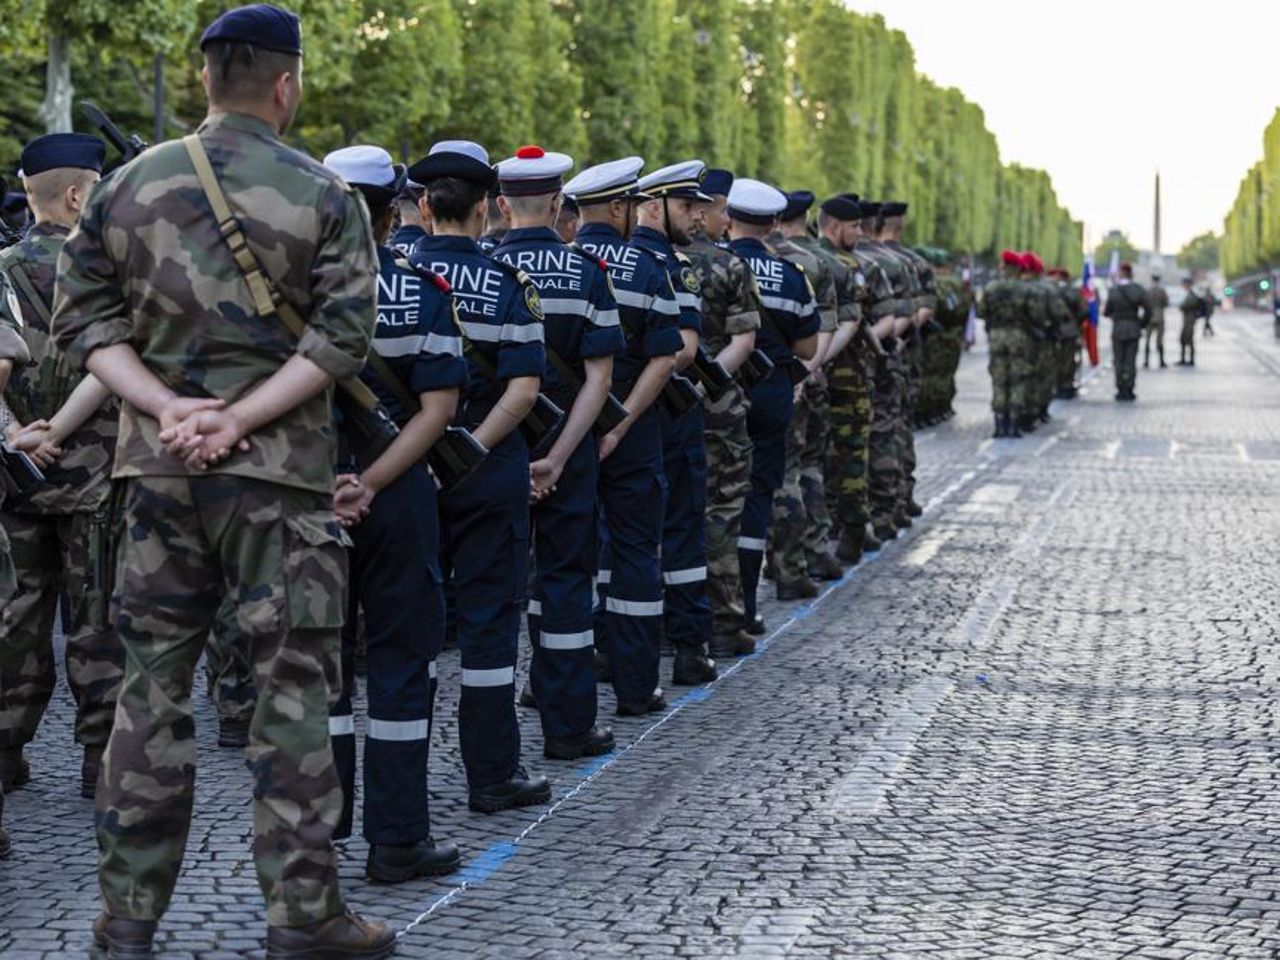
<point>259,24</point>
<point>798,203</point>
<point>871,208</point>
<point>893,208</point>
<point>56,150</point>
<point>716,183</point>
<point>842,207</point>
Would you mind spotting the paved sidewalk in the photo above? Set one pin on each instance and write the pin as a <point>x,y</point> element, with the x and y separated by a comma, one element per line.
<point>1041,724</point>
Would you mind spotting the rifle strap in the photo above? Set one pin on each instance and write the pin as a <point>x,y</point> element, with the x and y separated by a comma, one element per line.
<point>19,276</point>
<point>267,299</point>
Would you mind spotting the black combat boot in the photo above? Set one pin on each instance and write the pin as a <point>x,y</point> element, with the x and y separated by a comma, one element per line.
<point>825,567</point>
<point>913,508</point>
<point>628,708</point>
<point>801,588</point>
<point>902,521</point>
<point>122,939</point>
<point>521,790</point>
<point>1002,427</point>
<point>594,742</point>
<point>728,646</point>
<point>346,935</point>
<point>90,768</point>
<point>527,699</point>
<point>851,545</point>
<point>15,772</point>
<point>399,863</point>
<point>870,542</point>
<point>691,667</point>
<point>1014,426</point>
<point>885,531</point>
<point>756,625</point>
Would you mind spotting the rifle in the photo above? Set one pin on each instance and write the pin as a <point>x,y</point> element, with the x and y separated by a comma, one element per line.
<point>127,145</point>
<point>716,381</point>
<point>611,414</point>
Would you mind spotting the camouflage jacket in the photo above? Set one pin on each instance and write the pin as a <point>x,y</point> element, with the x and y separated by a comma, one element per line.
<point>148,266</point>
<point>1077,309</point>
<point>730,306</point>
<point>853,298</point>
<point>954,301</point>
<point>900,299</point>
<point>817,269</point>
<point>926,297</point>
<point>1005,305</point>
<point>79,480</point>
<point>1052,314</point>
<point>1158,299</point>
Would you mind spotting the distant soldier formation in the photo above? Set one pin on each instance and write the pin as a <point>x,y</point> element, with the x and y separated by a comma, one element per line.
<point>290,415</point>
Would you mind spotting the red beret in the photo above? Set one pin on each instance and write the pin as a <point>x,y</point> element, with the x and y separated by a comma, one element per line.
<point>1011,258</point>
<point>1034,263</point>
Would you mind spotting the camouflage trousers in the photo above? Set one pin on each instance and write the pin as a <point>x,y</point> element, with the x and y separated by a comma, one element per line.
<point>53,555</point>
<point>1046,372</point>
<point>1010,369</point>
<point>277,552</point>
<point>941,358</point>
<point>801,526</point>
<point>227,668</point>
<point>1068,362</point>
<point>911,378</point>
<point>887,428</point>
<point>728,480</point>
<point>848,453</point>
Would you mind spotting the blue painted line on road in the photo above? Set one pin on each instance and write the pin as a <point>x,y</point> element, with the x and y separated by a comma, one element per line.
<point>487,863</point>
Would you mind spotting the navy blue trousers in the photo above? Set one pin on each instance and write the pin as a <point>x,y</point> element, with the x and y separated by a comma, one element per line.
<point>562,671</point>
<point>395,579</point>
<point>629,618</point>
<point>772,401</point>
<point>484,525</point>
<point>686,610</point>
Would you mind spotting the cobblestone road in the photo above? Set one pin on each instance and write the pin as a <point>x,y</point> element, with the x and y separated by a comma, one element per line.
<point>1042,724</point>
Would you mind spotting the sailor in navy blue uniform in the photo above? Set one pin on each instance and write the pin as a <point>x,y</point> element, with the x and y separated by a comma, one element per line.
<point>629,621</point>
<point>410,224</point>
<point>390,504</point>
<point>788,330</point>
<point>666,219</point>
<point>485,518</point>
<point>580,321</point>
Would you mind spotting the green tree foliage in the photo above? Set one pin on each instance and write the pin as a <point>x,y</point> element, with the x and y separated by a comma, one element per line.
<point>802,93</point>
<point>1251,232</point>
<point>1202,253</point>
<point>1115,240</point>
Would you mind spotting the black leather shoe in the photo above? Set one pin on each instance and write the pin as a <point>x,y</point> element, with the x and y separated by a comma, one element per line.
<point>692,667</point>
<point>124,939</point>
<point>521,790</point>
<point>90,767</point>
<point>594,742</point>
<point>728,646</point>
<point>527,699</point>
<point>902,521</point>
<point>755,626</point>
<point>914,509</point>
<point>398,863</point>
<point>15,772</point>
<point>347,935</point>
<point>604,674</point>
<point>850,547</point>
<point>233,733</point>
<point>654,704</point>
<point>800,589</point>
<point>826,567</point>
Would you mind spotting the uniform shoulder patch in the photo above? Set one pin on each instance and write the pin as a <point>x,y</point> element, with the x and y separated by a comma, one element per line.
<point>689,278</point>
<point>533,301</point>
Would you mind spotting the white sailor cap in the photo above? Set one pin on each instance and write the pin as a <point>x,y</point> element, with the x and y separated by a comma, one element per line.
<point>369,168</point>
<point>615,180</point>
<point>751,201</point>
<point>533,171</point>
<point>677,180</point>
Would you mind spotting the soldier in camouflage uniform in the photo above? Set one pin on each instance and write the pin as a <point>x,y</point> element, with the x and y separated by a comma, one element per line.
<point>1072,334</point>
<point>1005,311</point>
<point>730,319</point>
<point>1050,316</point>
<point>852,378</point>
<point>944,348</point>
<point>226,451</point>
<point>893,320</point>
<point>13,352</point>
<point>60,535</point>
<point>801,524</point>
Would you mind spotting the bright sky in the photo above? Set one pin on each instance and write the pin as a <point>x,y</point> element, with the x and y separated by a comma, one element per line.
<point>1102,93</point>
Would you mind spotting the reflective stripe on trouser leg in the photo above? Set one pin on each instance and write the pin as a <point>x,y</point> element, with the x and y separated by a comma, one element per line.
<point>630,619</point>
<point>686,610</point>
<point>396,572</point>
<point>342,721</point>
<point>562,670</point>
<point>767,422</point>
<point>485,533</point>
